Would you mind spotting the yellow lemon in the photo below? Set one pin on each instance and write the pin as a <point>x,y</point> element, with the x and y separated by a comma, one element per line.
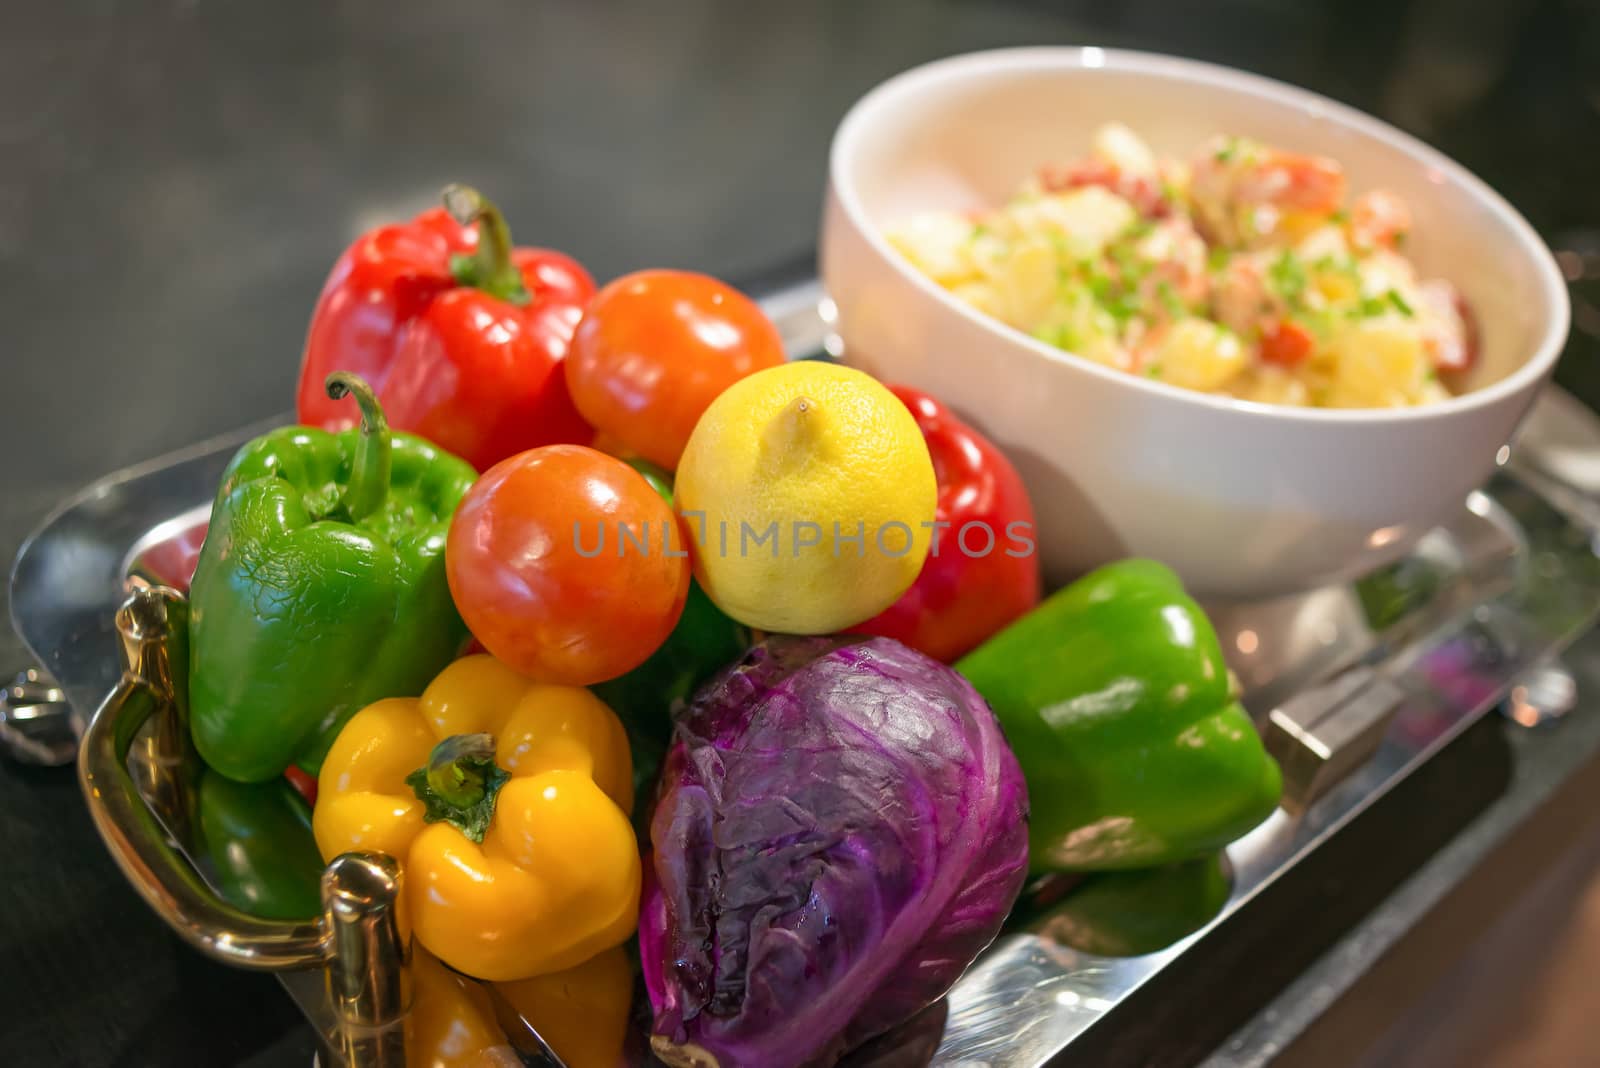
<point>808,497</point>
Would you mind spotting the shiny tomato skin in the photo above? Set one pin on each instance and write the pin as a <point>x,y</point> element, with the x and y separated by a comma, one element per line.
<point>655,348</point>
<point>958,600</point>
<point>537,585</point>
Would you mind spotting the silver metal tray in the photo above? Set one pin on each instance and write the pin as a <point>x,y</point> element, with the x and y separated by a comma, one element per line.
<point>1364,692</point>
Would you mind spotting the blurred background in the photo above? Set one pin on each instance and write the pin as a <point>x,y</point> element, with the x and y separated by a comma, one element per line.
<point>179,175</point>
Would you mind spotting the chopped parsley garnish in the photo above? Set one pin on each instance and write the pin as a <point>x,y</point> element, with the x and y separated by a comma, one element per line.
<point>1062,337</point>
<point>1320,324</point>
<point>1229,149</point>
<point>1153,371</point>
<point>1169,300</point>
<point>1370,307</point>
<point>1344,266</point>
<point>1390,300</point>
<point>1217,259</point>
<point>1129,267</point>
<point>1339,215</point>
<point>980,230</point>
<point>1288,276</point>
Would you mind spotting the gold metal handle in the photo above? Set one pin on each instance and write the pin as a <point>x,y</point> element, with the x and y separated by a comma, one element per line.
<point>153,637</point>
<point>133,770</point>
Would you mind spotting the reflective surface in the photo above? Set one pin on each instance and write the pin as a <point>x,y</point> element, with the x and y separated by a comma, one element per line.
<point>180,176</point>
<point>1451,629</point>
<point>36,722</point>
<point>138,769</point>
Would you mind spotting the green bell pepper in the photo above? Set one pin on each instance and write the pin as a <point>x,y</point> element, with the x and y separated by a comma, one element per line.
<point>320,588</point>
<point>1131,913</point>
<point>258,838</point>
<point>1116,699</point>
<point>704,641</point>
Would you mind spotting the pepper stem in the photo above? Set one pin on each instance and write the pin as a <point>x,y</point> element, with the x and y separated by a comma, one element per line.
<point>369,473</point>
<point>459,783</point>
<point>490,268</point>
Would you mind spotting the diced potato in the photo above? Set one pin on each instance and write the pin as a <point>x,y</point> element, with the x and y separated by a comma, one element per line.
<point>1025,283</point>
<point>1198,354</point>
<point>1383,271</point>
<point>1323,242</point>
<point>1379,363</point>
<point>1085,220</point>
<point>985,252</point>
<point>1117,144</point>
<point>936,244</point>
<point>1335,287</point>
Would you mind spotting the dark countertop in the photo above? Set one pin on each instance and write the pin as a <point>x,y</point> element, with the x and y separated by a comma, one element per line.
<point>180,175</point>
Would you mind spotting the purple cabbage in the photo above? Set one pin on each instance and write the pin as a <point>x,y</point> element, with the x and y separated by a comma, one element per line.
<point>841,829</point>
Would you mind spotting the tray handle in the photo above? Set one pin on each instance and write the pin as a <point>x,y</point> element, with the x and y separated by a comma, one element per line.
<point>359,940</point>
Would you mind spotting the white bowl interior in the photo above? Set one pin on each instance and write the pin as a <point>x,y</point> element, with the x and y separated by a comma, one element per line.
<point>963,134</point>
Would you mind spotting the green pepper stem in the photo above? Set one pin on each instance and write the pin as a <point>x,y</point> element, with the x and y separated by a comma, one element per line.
<point>459,784</point>
<point>455,768</point>
<point>490,268</point>
<point>369,473</point>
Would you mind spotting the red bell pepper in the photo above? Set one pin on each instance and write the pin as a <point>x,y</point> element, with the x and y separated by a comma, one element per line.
<point>461,334</point>
<point>304,783</point>
<point>973,582</point>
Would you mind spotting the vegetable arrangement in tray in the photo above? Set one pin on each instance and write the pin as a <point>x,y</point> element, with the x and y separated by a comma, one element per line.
<point>602,618</point>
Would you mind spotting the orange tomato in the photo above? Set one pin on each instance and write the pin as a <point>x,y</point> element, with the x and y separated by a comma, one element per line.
<point>655,348</point>
<point>567,565</point>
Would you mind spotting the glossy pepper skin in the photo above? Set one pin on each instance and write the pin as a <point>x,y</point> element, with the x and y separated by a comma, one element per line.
<point>320,588</point>
<point>506,802</point>
<point>969,587</point>
<point>703,643</point>
<point>461,334</point>
<point>580,1013</point>
<point>1114,695</point>
<point>258,838</point>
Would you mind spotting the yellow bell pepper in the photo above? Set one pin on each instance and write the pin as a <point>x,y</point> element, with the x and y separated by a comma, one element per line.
<point>452,1022</point>
<point>580,1013</point>
<point>506,802</point>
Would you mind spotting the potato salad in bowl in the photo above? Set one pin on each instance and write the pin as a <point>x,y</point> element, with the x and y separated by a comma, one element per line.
<point>1244,270</point>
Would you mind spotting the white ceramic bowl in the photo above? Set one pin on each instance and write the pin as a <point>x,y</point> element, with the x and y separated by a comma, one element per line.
<point>1244,500</point>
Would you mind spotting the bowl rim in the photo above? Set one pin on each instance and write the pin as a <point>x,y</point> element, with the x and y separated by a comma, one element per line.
<point>1533,251</point>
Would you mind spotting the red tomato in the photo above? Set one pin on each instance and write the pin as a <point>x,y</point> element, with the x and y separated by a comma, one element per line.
<point>1286,343</point>
<point>655,348</point>
<point>970,586</point>
<point>567,565</point>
